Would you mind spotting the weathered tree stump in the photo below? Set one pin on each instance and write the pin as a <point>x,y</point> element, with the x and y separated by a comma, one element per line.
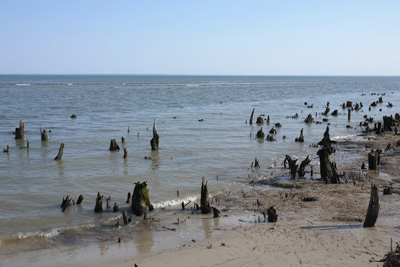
<point>303,166</point>
<point>116,208</point>
<point>99,203</point>
<point>348,114</point>
<point>125,217</point>
<point>251,116</point>
<point>309,119</point>
<point>388,191</point>
<point>260,120</point>
<point>260,134</point>
<point>388,122</point>
<point>327,167</point>
<point>19,132</point>
<point>327,109</point>
<point>300,138</point>
<point>141,199</point>
<point>60,152</point>
<point>326,141</point>
<point>128,200</point>
<point>256,163</point>
<point>292,166</point>
<point>114,145</point>
<point>204,201</point>
<point>373,208</point>
<point>155,140</point>
<point>349,104</point>
<point>216,212</point>
<point>335,112</point>
<point>44,136</point>
<point>374,159</point>
<point>125,152</point>
<point>73,116</point>
<point>65,203</point>
<point>272,216</point>
<point>80,199</point>
<point>7,149</point>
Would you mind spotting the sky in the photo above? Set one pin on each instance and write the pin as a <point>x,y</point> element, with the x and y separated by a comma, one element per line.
<point>200,37</point>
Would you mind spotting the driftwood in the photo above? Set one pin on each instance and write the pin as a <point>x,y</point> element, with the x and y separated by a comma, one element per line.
<point>292,166</point>
<point>272,216</point>
<point>204,201</point>
<point>60,152</point>
<point>251,116</point>
<point>99,203</point>
<point>65,203</point>
<point>300,138</point>
<point>260,134</point>
<point>19,132</point>
<point>80,199</point>
<point>373,208</point>
<point>141,199</point>
<point>303,166</point>
<point>374,159</point>
<point>44,136</point>
<point>155,140</point>
<point>114,145</point>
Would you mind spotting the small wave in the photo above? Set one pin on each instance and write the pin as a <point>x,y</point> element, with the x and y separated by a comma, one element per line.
<point>70,84</point>
<point>22,84</point>
<point>174,202</point>
<point>52,233</point>
<point>342,137</point>
<point>191,85</point>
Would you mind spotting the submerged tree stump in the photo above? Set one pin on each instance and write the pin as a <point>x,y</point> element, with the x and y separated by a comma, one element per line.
<point>388,122</point>
<point>128,200</point>
<point>300,138</point>
<point>44,136</point>
<point>116,208</point>
<point>155,140</point>
<point>374,159</point>
<point>125,152</point>
<point>373,208</point>
<point>114,145</point>
<point>309,119</point>
<point>260,134</point>
<point>303,166</point>
<point>272,216</point>
<point>216,212</point>
<point>326,141</point>
<point>99,203</point>
<point>80,199</point>
<point>19,132</point>
<point>141,199</point>
<point>251,116</point>
<point>60,152</point>
<point>292,166</point>
<point>65,203</point>
<point>125,217</point>
<point>204,201</point>
<point>260,120</point>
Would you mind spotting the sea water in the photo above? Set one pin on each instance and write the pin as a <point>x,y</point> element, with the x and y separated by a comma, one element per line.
<point>204,129</point>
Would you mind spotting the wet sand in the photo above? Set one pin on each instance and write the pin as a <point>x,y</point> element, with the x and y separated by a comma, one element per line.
<point>325,232</point>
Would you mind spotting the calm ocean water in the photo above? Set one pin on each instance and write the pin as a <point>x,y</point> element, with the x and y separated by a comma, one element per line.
<point>220,145</point>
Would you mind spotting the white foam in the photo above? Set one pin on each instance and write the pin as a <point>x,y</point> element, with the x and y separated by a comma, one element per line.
<point>342,137</point>
<point>22,84</point>
<point>174,202</point>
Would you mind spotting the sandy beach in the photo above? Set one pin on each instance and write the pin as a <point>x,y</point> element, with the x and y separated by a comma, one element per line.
<point>325,232</point>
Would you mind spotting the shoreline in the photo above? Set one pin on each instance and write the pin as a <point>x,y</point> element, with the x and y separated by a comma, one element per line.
<point>325,232</point>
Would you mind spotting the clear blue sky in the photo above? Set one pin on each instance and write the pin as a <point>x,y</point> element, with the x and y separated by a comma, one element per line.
<point>200,37</point>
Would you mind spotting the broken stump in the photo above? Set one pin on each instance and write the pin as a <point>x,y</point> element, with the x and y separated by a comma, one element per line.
<point>373,208</point>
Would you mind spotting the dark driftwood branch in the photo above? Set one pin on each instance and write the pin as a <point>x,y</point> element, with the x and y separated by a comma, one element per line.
<point>373,208</point>
<point>292,166</point>
<point>251,116</point>
<point>60,152</point>
<point>155,140</point>
<point>141,199</point>
<point>303,166</point>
